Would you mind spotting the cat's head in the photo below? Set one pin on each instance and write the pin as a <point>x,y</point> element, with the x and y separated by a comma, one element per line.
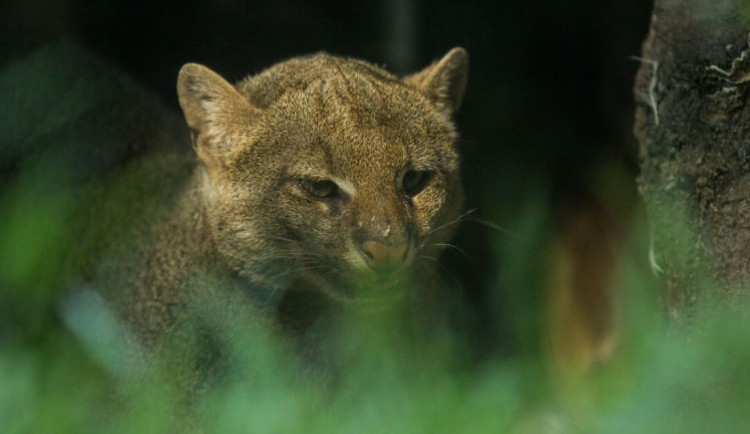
<point>328,169</point>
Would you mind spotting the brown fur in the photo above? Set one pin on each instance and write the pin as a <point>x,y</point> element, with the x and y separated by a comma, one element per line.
<point>237,223</point>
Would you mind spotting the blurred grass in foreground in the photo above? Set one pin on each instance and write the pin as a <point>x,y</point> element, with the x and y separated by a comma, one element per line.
<point>69,377</point>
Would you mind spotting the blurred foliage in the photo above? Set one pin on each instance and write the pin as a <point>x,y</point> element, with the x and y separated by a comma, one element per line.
<point>77,376</point>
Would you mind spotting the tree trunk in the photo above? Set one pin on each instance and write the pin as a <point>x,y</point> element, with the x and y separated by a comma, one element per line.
<point>693,124</point>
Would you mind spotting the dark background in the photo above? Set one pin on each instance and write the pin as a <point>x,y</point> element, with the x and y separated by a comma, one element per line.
<point>549,97</point>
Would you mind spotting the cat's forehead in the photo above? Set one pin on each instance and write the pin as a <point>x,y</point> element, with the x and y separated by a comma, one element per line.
<point>304,73</point>
<point>349,93</point>
<point>350,119</point>
<point>359,109</point>
<point>353,135</point>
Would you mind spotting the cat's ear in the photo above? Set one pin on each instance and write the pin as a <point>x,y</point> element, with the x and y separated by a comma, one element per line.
<point>213,108</point>
<point>444,81</point>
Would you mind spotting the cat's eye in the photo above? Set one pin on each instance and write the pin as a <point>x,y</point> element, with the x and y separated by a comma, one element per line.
<point>414,181</point>
<point>321,189</point>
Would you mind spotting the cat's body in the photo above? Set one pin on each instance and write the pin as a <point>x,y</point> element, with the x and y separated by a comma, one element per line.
<point>320,180</point>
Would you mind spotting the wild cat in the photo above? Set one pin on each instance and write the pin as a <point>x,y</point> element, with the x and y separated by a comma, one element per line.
<point>320,180</point>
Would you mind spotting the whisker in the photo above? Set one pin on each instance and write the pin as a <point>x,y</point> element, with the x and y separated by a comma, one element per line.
<point>463,218</point>
<point>456,248</point>
<point>492,225</point>
<point>297,270</point>
<point>274,237</point>
<point>287,255</point>
<point>286,260</point>
<point>452,222</point>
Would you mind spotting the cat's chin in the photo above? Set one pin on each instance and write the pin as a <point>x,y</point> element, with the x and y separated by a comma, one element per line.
<point>366,290</point>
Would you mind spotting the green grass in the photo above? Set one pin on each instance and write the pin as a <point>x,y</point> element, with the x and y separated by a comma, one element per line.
<point>64,367</point>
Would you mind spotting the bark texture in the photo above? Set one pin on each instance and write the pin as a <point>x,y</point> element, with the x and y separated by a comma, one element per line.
<point>693,124</point>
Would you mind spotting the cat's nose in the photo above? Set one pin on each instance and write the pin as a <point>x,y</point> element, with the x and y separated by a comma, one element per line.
<point>381,257</point>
